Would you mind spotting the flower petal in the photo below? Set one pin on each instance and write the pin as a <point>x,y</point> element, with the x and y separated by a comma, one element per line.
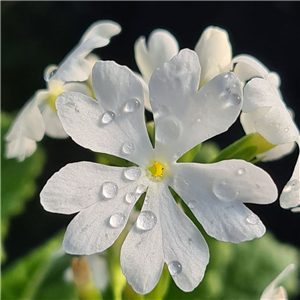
<point>185,250</point>
<point>214,52</point>
<point>290,196</point>
<point>146,91</point>
<point>29,121</point>
<point>79,185</point>
<point>142,255</point>
<point>53,126</point>
<point>162,46</point>
<point>169,236</point>
<point>115,124</point>
<point>96,227</point>
<point>184,116</point>
<point>216,192</point>
<point>75,67</point>
<point>20,148</point>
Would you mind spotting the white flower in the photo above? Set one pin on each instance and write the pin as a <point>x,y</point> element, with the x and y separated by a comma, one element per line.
<point>104,196</point>
<point>75,67</point>
<point>272,291</point>
<point>213,50</point>
<point>37,118</point>
<point>265,112</point>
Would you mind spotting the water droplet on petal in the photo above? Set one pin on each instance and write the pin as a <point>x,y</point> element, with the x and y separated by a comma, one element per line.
<point>109,190</point>
<point>273,78</point>
<point>175,268</point>
<point>252,219</point>
<point>107,117</point>
<point>140,189</point>
<point>293,185</point>
<point>241,171</point>
<point>132,173</point>
<point>167,130</point>
<point>130,198</point>
<point>198,120</point>
<point>146,220</point>
<point>286,129</point>
<point>224,191</point>
<point>192,204</point>
<point>257,186</point>
<point>177,155</point>
<point>127,148</point>
<point>117,220</point>
<point>132,105</point>
<point>234,100</point>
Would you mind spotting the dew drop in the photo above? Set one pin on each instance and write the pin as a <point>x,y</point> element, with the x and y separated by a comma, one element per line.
<point>132,105</point>
<point>291,186</point>
<point>107,117</point>
<point>127,148</point>
<point>130,198</point>
<point>167,130</point>
<point>177,155</point>
<point>224,191</point>
<point>140,189</point>
<point>273,78</point>
<point>117,220</point>
<point>132,173</point>
<point>252,219</point>
<point>257,186</point>
<point>241,171</point>
<point>234,100</point>
<point>109,190</point>
<point>146,220</point>
<point>286,129</point>
<point>198,120</point>
<point>226,75</point>
<point>175,268</point>
<point>192,204</point>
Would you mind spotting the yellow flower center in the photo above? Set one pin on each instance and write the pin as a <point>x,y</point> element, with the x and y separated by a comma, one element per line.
<point>157,169</point>
<point>52,98</point>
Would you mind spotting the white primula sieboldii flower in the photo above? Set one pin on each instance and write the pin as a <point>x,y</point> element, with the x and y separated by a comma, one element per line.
<point>275,292</point>
<point>265,112</point>
<point>75,67</point>
<point>104,195</point>
<point>213,50</point>
<point>37,118</point>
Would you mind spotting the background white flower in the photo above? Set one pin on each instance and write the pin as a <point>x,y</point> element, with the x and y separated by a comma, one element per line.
<point>275,292</point>
<point>104,196</point>
<point>213,49</point>
<point>265,112</point>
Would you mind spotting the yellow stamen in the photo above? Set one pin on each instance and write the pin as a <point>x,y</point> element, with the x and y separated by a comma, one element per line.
<point>157,169</point>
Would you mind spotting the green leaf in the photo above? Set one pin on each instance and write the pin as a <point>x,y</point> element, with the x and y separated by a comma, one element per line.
<point>39,275</point>
<point>18,179</point>
<point>245,148</point>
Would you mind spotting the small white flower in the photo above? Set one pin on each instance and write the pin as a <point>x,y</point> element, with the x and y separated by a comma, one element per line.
<point>104,196</point>
<point>265,112</point>
<point>272,291</point>
<point>75,67</point>
<point>213,50</point>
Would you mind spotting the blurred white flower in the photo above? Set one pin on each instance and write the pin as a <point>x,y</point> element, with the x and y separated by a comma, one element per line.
<point>213,50</point>
<point>265,112</point>
<point>104,195</point>
<point>275,292</point>
<point>39,114</point>
<point>75,67</point>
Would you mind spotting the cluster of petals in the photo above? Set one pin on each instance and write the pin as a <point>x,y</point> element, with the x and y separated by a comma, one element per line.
<point>104,196</point>
<point>38,116</point>
<point>263,111</point>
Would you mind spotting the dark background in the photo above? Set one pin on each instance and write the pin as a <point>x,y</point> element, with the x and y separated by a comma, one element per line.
<point>35,34</point>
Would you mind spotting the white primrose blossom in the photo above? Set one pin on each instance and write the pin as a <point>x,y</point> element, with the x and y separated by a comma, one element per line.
<point>275,292</point>
<point>104,195</point>
<point>213,49</point>
<point>39,115</point>
<point>265,112</point>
